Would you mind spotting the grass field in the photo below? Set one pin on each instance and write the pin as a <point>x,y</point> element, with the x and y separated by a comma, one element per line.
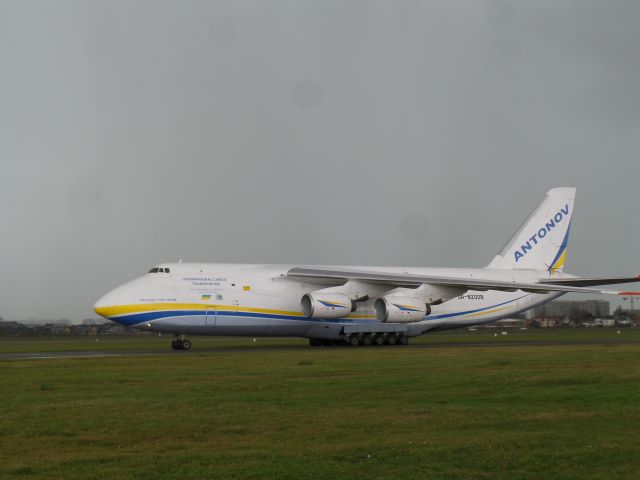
<point>552,411</point>
<point>153,342</point>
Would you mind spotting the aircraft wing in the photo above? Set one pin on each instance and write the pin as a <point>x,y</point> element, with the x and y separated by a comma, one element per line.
<point>408,280</point>
<point>590,281</point>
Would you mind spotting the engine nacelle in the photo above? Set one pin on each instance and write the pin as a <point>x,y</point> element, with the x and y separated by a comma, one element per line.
<point>401,309</point>
<point>326,305</point>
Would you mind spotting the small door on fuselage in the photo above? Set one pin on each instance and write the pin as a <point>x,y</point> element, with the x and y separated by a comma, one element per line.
<point>210,317</point>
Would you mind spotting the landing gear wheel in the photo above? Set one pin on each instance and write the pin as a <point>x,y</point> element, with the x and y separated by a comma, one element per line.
<point>354,340</point>
<point>367,340</point>
<point>403,340</point>
<point>392,339</point>
<point>180,343</point>
<point>378,340</point>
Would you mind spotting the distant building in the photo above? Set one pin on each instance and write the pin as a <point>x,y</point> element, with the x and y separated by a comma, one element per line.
<point>510,323</point>
<point>115,329</point>
<point>569,308</point>
<point>84,330</point>
<point>547,322</point>
<point>600,322</point>
<point>13,328</point>
<point>621,312</point>
<point>54,329</point>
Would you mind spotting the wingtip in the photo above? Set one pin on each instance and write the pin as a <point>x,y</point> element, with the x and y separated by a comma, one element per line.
<point>628,294</point>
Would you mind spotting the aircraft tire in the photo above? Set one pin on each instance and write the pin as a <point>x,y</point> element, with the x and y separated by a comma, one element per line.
<point>392,339</point>
<point>378,340</point>
<point>367,340</point>
<point>354,340</point>
<point>403,340</point>
<point>186,344</point>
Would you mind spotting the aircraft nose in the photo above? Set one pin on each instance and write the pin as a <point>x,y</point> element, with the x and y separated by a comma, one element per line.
<point>109,304</point>
<point>101,307</point>
<point>116,302</point>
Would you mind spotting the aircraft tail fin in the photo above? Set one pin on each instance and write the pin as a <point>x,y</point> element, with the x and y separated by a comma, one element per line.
<point>541,242</point>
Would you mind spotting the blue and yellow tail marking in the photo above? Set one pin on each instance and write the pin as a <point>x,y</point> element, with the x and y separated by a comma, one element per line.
<point>558,262</point>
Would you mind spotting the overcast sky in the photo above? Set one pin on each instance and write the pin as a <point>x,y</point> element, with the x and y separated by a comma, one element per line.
<point>311,132</point>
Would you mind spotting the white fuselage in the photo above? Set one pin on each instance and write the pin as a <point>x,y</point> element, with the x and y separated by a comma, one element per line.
<point>260,300</point>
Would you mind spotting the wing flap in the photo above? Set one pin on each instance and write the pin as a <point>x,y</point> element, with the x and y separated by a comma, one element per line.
<point>590,281</point>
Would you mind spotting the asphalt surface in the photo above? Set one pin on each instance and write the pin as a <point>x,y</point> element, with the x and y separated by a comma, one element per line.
<point>287,348</point>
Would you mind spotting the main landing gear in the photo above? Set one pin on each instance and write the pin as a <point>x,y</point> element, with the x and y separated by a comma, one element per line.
<point>180,343</point>
<point>364,339</point>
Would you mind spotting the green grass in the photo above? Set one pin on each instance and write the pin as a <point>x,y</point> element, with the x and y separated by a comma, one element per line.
<point>153,342</point>
<point>456,413</point>
<point>119,343</point>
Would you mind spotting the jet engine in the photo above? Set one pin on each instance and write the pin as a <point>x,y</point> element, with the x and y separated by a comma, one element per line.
<point>327,305</point>
<point>401,309</point>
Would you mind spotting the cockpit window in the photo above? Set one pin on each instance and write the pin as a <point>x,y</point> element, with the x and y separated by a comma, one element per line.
<point>159,270</point>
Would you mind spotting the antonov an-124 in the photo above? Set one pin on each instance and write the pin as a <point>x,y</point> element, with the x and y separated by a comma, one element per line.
<point>357,305</point>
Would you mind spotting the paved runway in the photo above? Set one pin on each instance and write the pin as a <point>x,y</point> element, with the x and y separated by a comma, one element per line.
<point>305,348</point>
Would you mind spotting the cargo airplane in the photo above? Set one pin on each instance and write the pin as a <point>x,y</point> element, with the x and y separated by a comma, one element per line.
<point>357,305</point>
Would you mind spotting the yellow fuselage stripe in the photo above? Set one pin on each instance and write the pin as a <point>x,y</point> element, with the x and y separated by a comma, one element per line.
<point>487,312</point>
<point>117,310</point>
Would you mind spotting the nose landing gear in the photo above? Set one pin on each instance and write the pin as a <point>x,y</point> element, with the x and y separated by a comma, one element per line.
<point>180,343</point>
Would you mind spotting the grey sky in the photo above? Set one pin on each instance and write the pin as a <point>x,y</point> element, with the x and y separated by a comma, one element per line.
<point>340,132</point>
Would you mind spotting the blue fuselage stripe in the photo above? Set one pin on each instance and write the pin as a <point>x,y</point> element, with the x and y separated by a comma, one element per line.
<point>449,315</point>
<point>136,318</point>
